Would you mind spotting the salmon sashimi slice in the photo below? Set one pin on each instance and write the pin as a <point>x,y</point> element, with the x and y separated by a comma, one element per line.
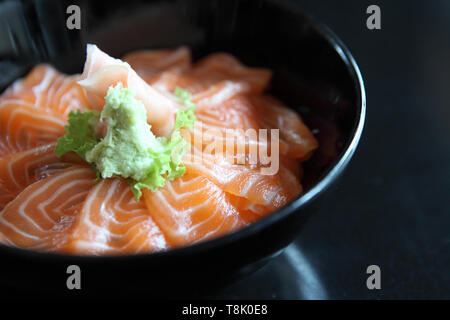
<point>219,67</point>
<point>293,132</point>
<point>150,63</point>
<point>235,115</point>
<point>102,71</point>
<point>248,211</point>
<point>68,96</point>
<point>48,89</point>
<point>40,216</point>
<point>238,115</point>
<point>111,221</point>
<point>166,81</point>
<point>255,112</point>
<point>251,212</point>
<point>212,95</point>
<point>192,209</point>
<point>19,170</point>
<point>228,122</point>
<point>245,181</point>
<point>219,93</point>
<point>23,127</point>
<point>34,87</point>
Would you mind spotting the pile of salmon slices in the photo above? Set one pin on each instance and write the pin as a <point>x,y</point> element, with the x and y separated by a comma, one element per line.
<point>53,203</point>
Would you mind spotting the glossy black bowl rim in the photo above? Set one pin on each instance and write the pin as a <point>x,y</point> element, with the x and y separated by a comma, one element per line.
<point>252,229</point>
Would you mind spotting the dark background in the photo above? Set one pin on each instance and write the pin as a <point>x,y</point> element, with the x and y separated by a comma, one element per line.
<point>392,206</point>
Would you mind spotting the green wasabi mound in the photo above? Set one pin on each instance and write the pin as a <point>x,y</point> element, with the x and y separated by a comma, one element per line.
<point>129,149</point>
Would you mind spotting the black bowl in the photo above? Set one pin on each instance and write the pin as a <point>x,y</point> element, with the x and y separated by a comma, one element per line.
<point>314,74</point>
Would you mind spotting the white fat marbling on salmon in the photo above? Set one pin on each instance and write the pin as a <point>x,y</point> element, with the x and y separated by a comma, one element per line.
<point>23,127</point>
<point>34,217</point>
<point>111,221</point>
<point>191,209</point>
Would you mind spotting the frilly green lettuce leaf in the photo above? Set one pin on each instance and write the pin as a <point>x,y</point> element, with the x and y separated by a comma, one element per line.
<point>80,134</point>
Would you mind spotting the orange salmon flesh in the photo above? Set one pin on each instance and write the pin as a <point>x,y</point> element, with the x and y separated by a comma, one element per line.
<point>52,204</point>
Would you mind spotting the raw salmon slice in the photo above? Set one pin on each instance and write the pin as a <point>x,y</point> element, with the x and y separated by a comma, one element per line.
<point>293,132</point>
<point>256,112</point>
<point>248,211</point>
<point>203,97</point>
<point>19,170</point>
<point>40,216</point>
<point>191,209</point>
<point>219,93</point>
<point>46,88</point>
<point>244,180</point>
<point>23,127</point>
<point>150,63</point>
<point>220,67</point>
<point>111,221</point>
<point>225,124</point>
